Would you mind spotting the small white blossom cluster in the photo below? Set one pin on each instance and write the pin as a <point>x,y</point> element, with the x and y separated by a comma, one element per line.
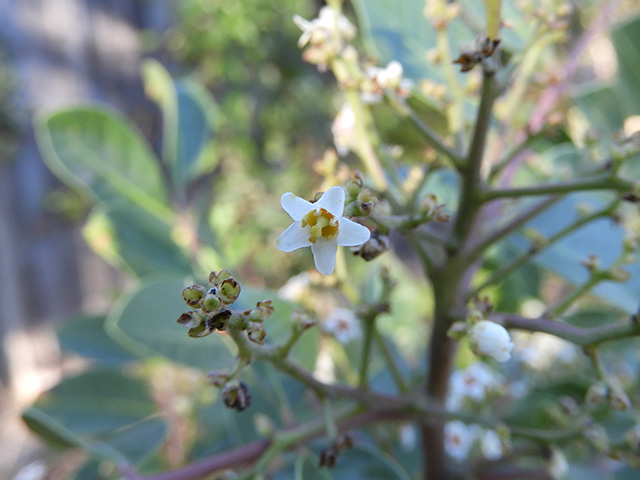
<point>344,130</point>
<point>324,35</point>
<point>343,325</point>
<point>460,438</point>
<point>387,78</point>
<point>472,385</point>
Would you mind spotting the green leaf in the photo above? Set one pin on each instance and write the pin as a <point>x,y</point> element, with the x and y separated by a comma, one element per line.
<point>101,411</point>
<point>131,238</point>
<point>159,86</point>
<point>102,153</point>
<point>145,322</point>
<point>196,128</point>
<point>86,336</point>
<point>626,38</point>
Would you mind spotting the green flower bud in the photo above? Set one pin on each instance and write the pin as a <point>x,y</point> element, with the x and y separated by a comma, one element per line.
<point>191,319</point>
<point>217,278</point>
<point>457,330</point>
<point>237,396</point>
<point>263,310</point>
<point>211,302</point>
<point>256,332</point>
<point>228,291</point>
<point>597,393</point>
<point>218,379</point>
<point>302,320</point>
<point>618,398</point>
<point>193,294</point>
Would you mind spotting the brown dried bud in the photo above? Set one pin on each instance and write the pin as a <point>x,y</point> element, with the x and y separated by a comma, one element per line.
<point>256,332</point>
<point>217,278</point>
<point>237,397</point>
<point>375,246</point>
<point>329,457</point>
<point>343,442</point>
<point>218,379</point>
<point>219,321</point>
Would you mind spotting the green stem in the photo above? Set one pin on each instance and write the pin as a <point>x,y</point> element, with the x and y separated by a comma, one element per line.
<point>369,332</point>
<point>605,181</point>
<point>586,287</point>
<point>329,420</point>
<point>585,337</point>
<point>393,368</point>
<point>504,271</point>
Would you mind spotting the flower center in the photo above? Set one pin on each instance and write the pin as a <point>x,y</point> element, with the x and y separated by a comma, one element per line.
<point>321,224</point>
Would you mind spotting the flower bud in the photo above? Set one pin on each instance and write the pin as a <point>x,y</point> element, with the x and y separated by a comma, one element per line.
<point>210,302</point>
<point>191,319</point>
<point>618,398</point>
<point>457,330</point>
<point>218,379</point>
<point>237,396</point>
<point>228,291</point>
<point>217,278</point>
<point>302,320</point>
<point>343,442</point>
<point>489,338</point>
<point>256,332</point>
<point>264,425</point>
<point>329,457</point>
<point>597,393</point>
<point>377,244</point>
<point>219,321</point>
<point>193,294</point>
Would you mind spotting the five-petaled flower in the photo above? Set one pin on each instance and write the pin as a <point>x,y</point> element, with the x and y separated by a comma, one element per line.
<point>321,226</point>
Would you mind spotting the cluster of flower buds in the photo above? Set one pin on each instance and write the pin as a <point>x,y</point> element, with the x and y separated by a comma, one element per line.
<point>483,49</point>
<point>432,210</point>
<point>359,200</point>
<point>485,337</point>
<point>326,36</point>
<point>390,78</point>
<point>329,456</point>
<point>253,321</point>
<point>211,305</point>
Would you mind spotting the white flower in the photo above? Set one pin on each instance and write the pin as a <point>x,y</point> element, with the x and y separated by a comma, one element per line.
<point>491,445</point>
<point>458,439</point>
<point>343,325</point>
<point>320,226</point>
<point>474,382</point>
<point>489,338</point>
<point>319,30</point>
<point>344,129</point>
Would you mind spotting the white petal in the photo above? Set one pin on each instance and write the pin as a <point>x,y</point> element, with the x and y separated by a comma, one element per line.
<point>295,206</point>
<point>332,201</point>
<point>324,255</point>
<point>293,237</point>
<point>351,234</point>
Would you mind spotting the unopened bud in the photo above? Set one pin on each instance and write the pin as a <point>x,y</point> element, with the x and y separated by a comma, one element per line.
<point>618,398</point>
<point>354,184</point>
<point>619,274</point>
<point>217,278</point>
<point>193,294</point>
<point>377,244</point>
<point>569,406</point>
<point>228,291</point>
<point>190,319</point>
<point>256,332</point>
<point>220,320</point>
<point>592,263</point>
<point>343,442</point>
<point>237,396</point>
<point>264,425</point>
<point>210,302</point>
<point>329,457</point>
<point>302,320</point>
<point>597,393</point>
<point>457,330</point>
<point>597,436</point>
<point>218,379</point>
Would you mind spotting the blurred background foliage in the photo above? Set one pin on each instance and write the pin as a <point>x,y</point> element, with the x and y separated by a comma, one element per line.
<point>244,119</point>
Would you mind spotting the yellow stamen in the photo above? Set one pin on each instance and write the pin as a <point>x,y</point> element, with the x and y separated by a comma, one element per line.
<point>322,224</point>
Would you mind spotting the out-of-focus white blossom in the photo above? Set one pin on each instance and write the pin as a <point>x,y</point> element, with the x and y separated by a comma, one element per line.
<point>320,30</point>
<point>473,383</point>
<point>458,440</point>
<point>342,324</point>
<point>344,130</point>
<point>541,351</point>
<point>295,287</point>
<point>408,436</point>
<point>380,79</point>
<point>490,338</point>
<point>491,445</point>
<point>558,465</point>
<point>320,226</point>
